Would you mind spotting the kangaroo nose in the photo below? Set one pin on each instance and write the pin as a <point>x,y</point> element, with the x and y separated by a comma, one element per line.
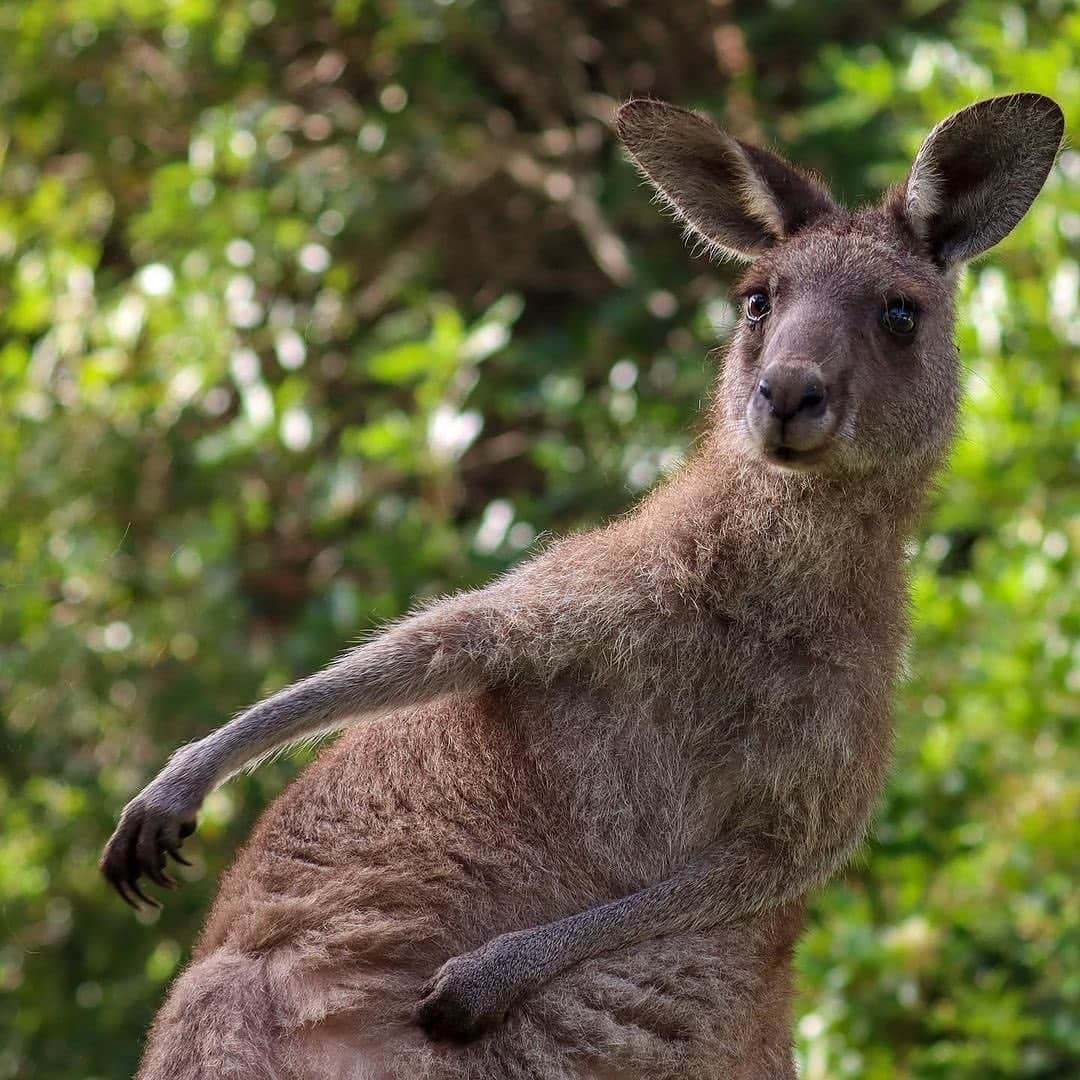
<point>790,392</point>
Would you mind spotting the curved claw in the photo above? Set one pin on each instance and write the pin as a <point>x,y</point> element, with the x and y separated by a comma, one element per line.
<point>174,853</point>
<point>160,877</point>
<point>121,890</point>
<point>133,884</point>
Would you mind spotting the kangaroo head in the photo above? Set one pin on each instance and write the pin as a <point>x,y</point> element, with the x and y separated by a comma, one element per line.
<point>843,359</point>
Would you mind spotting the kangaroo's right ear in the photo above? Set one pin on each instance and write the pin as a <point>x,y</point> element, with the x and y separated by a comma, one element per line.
<point>978,172</point>
<point>738,198</point>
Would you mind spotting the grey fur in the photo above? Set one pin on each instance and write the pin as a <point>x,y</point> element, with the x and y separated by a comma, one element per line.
<point>673,726</point>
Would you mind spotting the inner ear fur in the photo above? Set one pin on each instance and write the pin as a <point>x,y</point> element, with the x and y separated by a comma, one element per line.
<point>738,198</point>
<point>978,172</point>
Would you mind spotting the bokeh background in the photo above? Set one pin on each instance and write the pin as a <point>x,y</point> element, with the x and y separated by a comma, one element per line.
<point>309,310</point>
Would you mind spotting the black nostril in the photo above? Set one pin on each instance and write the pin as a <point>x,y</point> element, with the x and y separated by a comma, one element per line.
<point>813,395</point>
<point>786,390</point>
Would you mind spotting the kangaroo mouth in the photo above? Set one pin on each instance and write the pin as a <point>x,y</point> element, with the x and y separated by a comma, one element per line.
<point>788,457</point>
<point>801,441</point>
<point>801,444</point>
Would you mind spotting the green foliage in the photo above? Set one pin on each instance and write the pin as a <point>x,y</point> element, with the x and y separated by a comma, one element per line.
<point>311,310</point>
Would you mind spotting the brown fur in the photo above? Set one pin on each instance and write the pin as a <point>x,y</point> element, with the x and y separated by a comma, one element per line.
<point>349,895</point>
<point>597,791</point>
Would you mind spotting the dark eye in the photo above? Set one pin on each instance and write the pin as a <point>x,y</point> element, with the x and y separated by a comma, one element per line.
<point>899,317</point>
<point>757,306</point>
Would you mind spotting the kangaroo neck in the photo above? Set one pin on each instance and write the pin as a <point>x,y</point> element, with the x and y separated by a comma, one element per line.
<point>742,529</point>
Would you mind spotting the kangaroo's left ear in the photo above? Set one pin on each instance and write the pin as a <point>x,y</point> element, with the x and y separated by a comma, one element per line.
<point>978,173</point>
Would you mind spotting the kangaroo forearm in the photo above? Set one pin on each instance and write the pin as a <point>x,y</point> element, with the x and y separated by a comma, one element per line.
<point>447,648</point>
<point>690,901</point>
<point>735,886</point>
<point>301,710</point>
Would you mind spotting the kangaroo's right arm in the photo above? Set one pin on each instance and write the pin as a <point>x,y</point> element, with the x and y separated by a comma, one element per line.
<point>528,625</point>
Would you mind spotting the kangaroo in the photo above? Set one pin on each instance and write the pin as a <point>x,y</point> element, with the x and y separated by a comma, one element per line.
<point>571,832</point>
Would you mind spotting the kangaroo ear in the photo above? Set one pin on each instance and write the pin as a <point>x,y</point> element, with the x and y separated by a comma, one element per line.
<point>736,197</point>
<point>978,173</point>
